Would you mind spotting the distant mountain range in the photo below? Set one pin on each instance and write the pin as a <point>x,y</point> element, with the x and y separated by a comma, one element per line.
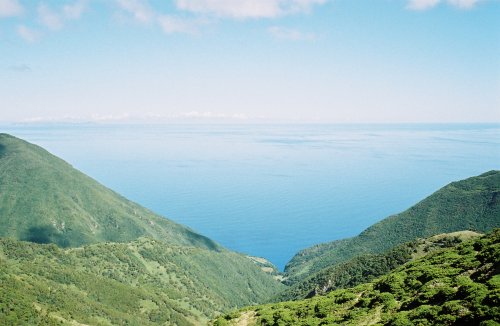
<point>74,252</point>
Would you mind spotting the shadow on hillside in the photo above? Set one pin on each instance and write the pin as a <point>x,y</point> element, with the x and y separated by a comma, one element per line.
<point>203,241</point>
<point>45,234</point>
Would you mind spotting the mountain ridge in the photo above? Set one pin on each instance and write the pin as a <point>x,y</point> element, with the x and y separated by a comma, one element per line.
<point>364,268</point>
<point>73,251</point>
<point>45,200</point>
<point>95,257</point>
<point>452,286</point>
<point>469,204</point>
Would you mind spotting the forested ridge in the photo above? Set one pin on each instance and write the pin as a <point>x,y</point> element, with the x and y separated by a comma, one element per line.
<point>452,286</point>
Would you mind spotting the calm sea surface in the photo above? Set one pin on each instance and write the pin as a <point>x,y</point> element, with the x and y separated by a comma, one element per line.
<point>271,190</point>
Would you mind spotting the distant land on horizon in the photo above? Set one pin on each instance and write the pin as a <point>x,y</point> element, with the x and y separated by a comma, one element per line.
<point>138,121</point>
<point>250,162</point>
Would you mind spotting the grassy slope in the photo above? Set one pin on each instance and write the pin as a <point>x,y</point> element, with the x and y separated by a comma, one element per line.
<point>453,286</point>
<point>471,204</point>
<point>43,199</point>
<point>365,268</point>
<point>143,282</point>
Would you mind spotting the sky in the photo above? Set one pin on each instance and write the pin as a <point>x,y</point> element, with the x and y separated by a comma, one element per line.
<point>335,61</point>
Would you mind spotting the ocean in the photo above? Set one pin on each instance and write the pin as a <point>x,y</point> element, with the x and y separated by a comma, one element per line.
<point>271,190</point>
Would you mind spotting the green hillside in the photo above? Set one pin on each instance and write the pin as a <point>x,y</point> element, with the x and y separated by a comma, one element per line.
<point>88,256</point>
<point>143,282</point>
<point>471,204</point>
<point>365,268</point>
<point>135,267</point>
<point>45,200</point>
<point>452,286</point>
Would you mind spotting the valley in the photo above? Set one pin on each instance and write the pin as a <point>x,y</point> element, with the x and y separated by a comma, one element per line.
<point>74,252</point>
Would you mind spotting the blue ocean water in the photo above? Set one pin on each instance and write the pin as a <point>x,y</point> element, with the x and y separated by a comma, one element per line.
<point>271,190</point>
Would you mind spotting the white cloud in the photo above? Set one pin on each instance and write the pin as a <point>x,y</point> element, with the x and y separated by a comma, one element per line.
<point>209,115</point>
<point>234,9</point>
<point>75,10</point>
<point>422,4</point>
<point>139,9</point>
<point>463,4</point>
<point>126,117</point>
<point>247,8</point>
<point>55,119</point>
<point>284,33</point>
<point>110,117</point>
<point>49,17</point>
<point>28,34</point>
<point>55,19</point>
<point>427,4</point>
<point>300,6</point>
<point>9,8</point>
<point>173,24</point>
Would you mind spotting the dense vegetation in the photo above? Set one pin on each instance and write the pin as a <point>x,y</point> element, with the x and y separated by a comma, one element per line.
<point>365,268</point>
<point>471,204</point>
<point>93,257</point>
<point>452,286</point>
<point>154,271</point>
<point>45,200</point>
<point>144,282</point>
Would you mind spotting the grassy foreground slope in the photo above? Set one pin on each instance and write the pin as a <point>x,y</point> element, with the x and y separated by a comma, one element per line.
<point>365,268</point>
<point>143,282</point>
<point>453,286</point>
<point>471,204</point>
<point>45,200</point>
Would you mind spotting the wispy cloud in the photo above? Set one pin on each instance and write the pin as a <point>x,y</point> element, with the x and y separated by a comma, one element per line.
<point>422,4</point>
<point>140,10</point>
<point>10,8</point>
<point>463,4</point>
<point>233,9</point>
<point>28,34</point>
<point>428,4</point>
<point>247,8</point>
<point>126,117</point>
<point>75,10</point>
<point>54,19</point>
<point>173,24</point>
<point>209,115</point>
<point>49,18</point>
<point>21,67</point>
<point>202,12</point>
<point>186,16</point>
<point>284,33</point>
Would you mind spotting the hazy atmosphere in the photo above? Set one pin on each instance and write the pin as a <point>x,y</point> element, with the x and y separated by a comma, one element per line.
<point>250,60</point>
<point>249,162</point>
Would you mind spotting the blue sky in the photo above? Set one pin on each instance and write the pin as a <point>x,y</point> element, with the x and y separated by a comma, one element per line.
<point>250,60</point>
